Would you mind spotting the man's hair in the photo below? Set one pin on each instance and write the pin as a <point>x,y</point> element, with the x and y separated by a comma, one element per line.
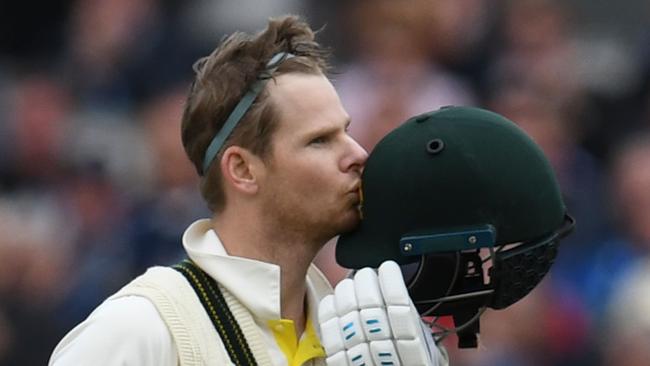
<point>223,77</point>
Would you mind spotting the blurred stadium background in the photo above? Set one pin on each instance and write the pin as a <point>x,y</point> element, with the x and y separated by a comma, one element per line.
<point>94,185</point>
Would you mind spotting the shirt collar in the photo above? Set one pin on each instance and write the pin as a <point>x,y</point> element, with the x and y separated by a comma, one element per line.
<point>254,283</point>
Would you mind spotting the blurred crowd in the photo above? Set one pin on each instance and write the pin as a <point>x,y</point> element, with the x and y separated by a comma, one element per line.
<point>95,186</point>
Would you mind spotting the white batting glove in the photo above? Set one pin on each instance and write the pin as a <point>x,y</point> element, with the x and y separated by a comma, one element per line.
<point>371,320</point>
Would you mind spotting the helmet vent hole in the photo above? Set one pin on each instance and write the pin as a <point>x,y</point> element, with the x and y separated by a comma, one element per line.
<point>435,146</point>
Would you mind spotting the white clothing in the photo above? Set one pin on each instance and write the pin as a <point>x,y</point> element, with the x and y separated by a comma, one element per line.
<point>129,330</point>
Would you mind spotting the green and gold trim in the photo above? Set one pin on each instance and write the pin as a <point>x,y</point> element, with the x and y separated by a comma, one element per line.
<point>217,309</point>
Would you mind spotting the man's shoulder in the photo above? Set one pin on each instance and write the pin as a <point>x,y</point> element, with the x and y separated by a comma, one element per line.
<point>131,314</point>
<point>126,329</point>
<point>155,281</point>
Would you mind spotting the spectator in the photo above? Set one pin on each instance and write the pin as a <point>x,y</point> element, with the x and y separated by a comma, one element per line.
<point>392,76</point>
<point>159,218</point>
<point>628,322</point>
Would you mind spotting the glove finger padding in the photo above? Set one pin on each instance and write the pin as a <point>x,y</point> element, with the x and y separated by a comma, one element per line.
<point>332,339</point>
<point>371,320</point>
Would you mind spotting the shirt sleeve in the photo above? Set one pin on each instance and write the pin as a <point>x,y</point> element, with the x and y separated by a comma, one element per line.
<point>121,332</point>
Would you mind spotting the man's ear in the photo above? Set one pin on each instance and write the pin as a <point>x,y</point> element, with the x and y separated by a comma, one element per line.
<point>240,169</point>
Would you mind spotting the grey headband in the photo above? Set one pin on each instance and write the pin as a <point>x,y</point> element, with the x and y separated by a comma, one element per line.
<point>242,107</point>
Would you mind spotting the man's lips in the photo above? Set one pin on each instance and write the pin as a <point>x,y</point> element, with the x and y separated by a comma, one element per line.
<point>356,187</point>
<point>355,191</point>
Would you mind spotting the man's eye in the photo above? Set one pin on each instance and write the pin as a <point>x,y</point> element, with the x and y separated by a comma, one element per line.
<point>318,140</point>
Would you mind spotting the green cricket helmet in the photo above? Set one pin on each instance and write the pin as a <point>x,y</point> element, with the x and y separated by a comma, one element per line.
<point>445,195</point>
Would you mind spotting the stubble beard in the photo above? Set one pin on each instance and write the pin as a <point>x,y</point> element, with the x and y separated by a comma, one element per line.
<point>310,225</point>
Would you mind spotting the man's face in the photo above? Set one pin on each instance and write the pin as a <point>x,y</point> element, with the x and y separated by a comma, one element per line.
<point>312,180</point>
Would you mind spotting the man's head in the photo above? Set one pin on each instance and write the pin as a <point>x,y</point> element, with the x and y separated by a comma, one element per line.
<point>288,162</point>
<point>223,77</point>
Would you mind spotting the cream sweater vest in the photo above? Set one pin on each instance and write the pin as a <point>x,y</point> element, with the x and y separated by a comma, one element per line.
<point>189,325</point>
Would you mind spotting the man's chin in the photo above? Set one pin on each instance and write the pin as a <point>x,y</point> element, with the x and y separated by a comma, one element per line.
<point>349,221</point>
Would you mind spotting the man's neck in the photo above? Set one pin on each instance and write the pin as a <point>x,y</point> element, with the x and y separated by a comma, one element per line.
<point>292,253</point>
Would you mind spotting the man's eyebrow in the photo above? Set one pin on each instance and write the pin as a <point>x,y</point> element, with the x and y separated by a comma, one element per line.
<point>328,130</point>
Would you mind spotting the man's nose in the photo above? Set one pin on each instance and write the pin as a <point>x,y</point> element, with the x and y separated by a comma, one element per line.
<point>355,158</point>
